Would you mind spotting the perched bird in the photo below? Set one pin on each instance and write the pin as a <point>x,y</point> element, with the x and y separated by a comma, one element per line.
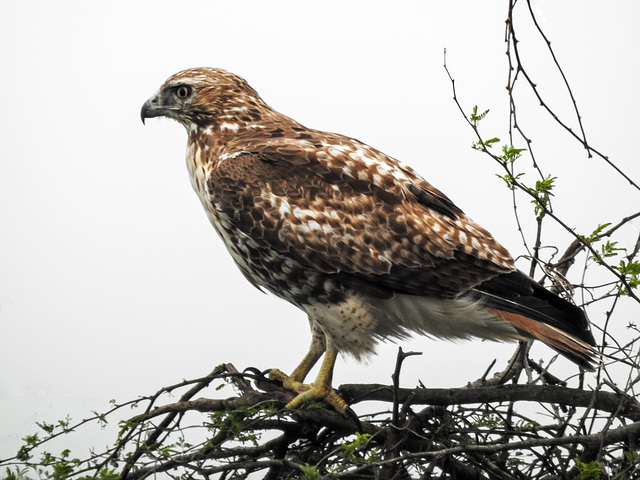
<point>354,238</point>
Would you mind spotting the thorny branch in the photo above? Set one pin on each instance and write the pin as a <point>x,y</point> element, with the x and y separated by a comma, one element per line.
<point>582,138</point>
<point>251,432</point>
<point>543,207</point>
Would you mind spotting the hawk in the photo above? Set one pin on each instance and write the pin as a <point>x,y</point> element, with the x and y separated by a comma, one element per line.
<point>357,240</point>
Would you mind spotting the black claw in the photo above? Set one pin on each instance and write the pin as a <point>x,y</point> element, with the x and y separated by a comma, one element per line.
<point>261,379</point>
<point>254,371</point>
<point>349,413</point>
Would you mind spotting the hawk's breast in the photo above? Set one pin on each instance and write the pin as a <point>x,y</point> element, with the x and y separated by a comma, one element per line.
<point>223,199</point>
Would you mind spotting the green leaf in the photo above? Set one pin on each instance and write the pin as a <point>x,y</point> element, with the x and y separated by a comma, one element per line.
<point>630,270</point>
<point>542,194</point>
<point>309,472</point>
<point>510,180</point>
<point>595,235</point>
<point>510,154</point>
<point>484,144</point>
<point>588,471</point>
<point>475,117</point>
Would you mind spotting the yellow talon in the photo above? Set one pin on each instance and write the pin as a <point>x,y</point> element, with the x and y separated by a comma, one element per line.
<point>319,390</point>
<point>320,393</point>
<point>288,382</point>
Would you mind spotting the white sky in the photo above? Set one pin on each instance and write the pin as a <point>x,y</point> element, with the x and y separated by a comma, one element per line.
<point>112,282</point>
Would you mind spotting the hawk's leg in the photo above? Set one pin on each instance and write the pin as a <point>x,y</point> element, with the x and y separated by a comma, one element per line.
<point>294,381</point>
<point>316,349</point>
<point>320,389</point>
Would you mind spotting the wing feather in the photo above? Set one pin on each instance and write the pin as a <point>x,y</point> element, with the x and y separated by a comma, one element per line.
<point>342,207</point>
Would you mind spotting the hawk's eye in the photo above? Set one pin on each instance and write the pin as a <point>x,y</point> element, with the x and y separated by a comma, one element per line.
<point>183,91</point>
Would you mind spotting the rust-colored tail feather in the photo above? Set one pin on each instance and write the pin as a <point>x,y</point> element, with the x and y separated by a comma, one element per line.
<point>568,345</point>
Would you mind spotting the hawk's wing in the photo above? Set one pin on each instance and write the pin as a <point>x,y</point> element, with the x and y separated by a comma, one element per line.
<point>342,207</point>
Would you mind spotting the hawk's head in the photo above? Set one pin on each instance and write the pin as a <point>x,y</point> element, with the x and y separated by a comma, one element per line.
<point>202,97</point>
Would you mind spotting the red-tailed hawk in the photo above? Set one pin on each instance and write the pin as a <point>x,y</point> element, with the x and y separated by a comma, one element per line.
<point>357,240</point>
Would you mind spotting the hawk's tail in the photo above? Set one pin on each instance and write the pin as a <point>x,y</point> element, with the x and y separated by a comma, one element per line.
<point>575,349</point>
<point>537,313</point>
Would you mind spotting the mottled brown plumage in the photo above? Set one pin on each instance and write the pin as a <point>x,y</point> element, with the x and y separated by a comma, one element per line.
<point>360,242</point>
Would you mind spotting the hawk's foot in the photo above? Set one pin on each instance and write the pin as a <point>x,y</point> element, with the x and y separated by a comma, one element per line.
<point>288,381</point>
<point>309,392</point>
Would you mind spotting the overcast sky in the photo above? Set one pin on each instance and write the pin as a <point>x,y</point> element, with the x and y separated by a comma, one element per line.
<point>112,282</point>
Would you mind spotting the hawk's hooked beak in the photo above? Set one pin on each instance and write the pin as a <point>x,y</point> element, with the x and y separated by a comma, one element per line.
<point>151,109</point>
